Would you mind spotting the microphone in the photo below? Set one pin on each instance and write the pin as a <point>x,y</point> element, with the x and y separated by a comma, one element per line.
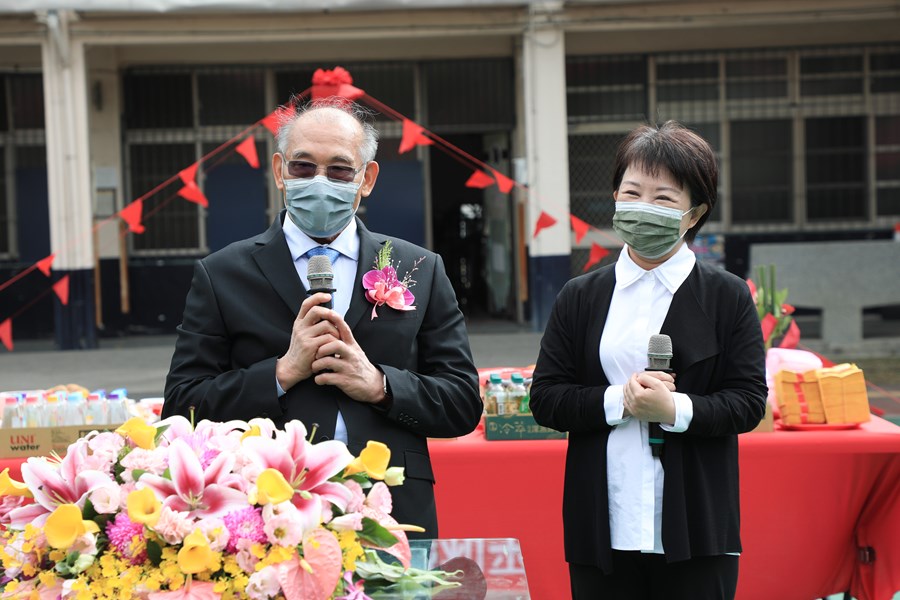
<point>659,356</point>
<point>320,275</point>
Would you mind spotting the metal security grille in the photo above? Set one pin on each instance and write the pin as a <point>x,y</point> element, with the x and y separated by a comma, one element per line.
<point>806,138</point>
<point>22,156</point>
<point>469,95</point>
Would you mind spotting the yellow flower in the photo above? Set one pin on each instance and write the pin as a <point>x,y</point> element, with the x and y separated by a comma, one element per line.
<point>273,488</point>
<point>373,460</point>
<point>65,525</point>
<point>143,507</point>
<point>136,430</point>
<point>11,487</point>
<point>195,555</point>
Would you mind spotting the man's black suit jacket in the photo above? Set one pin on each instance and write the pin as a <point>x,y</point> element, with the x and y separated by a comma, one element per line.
<point>719,361</point>
<point>237,321</point>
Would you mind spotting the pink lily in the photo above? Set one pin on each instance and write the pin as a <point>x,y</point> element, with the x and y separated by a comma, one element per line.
<point>57,482</point>
<point>306,467</point>
<point>193,489</point>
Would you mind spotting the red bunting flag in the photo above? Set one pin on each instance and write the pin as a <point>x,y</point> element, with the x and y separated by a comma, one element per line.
<point>544,221</point>
<point>480,180</point>
<point>768,324</point>
<point>191,191</point>
<point>597,254</point>
<point>44,264</point>
<point>503,182</point>
<point>6,334</point>
<point>791,337</point>
<point>274,119</point>
<point>581,228</point>
<point>413,136</point>
<point>61,288</point>
<point>131,214</point>
<point>247,149</point>
<point>334,82</point>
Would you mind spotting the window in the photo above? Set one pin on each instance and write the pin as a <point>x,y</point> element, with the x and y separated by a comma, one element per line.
<point>887,166</point>
<point>591,163</point>
<point>761,171</point>
<point>467,95</point>
<point>753,78</point>
<point>831,75</point>
<point>606,89</point>
<point>835,168</point>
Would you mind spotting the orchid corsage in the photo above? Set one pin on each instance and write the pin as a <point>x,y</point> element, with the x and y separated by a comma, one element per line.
<point>383,287</point>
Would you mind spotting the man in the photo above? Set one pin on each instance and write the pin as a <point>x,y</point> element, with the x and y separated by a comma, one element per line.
<point>252,344</point>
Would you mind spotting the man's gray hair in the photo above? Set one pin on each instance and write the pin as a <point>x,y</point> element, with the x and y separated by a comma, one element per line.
<point>361,114</point>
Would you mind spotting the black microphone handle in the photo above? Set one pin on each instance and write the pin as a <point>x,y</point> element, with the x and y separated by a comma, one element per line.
<point>330,303</point>
<point>655,435</point>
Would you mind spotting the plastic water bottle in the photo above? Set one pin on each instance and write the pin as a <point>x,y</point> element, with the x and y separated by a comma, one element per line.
<point>53,413</point>
<point>516,393</point>
<point>495,395</point>
<point>116,409</point>
<point>74,410</point>
<point>34,413</point>
<point>95,409</point>
<point>12,413</point>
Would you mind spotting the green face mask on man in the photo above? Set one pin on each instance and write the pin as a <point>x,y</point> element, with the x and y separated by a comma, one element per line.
<point>651,231</point>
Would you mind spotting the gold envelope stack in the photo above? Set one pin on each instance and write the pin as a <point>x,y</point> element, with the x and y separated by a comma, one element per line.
<point>798,397</point>
<point>834,395</point>
<point>843,391</point>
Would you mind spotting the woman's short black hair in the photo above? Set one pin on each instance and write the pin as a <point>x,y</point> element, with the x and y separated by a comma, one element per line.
<point>686,155</point>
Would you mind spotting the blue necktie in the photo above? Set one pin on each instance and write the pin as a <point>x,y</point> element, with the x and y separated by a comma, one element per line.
<point>331,253</point>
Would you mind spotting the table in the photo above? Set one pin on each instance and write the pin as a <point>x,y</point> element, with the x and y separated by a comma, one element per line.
<point>808,500</point>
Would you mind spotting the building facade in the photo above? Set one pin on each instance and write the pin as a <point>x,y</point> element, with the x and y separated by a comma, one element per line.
<point>800,99</point>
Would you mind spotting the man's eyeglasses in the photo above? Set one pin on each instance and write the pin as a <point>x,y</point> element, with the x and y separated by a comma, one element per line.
<point>302,169</point>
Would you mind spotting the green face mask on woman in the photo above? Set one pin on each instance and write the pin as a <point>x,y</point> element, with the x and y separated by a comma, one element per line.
<point>651,231</point>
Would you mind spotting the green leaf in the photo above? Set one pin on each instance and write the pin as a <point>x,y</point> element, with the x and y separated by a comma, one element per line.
<point>383,258</point>
<point>375,534</point>
<point>159,432</point>
<point>136,474</point>
<point>154,552</point>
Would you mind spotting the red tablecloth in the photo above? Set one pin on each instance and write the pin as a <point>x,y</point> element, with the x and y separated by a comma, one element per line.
<point>808,499</point>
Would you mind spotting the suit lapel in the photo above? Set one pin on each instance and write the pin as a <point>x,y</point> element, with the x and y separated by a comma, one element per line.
<point>369,245</point>
<point>693,333</point>
<point>274,260</point>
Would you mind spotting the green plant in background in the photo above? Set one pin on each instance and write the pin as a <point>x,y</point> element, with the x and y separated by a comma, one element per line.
<point>774,313</point>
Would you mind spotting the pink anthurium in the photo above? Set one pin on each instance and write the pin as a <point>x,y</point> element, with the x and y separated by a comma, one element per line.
<point>319,576</point>
<point>193,489</point>
<point>305,467</point>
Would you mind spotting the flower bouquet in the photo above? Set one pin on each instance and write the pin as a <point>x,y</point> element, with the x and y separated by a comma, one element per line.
<point>774,313</point>
<point>224,510</point>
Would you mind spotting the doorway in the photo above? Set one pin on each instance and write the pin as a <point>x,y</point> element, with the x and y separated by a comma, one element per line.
<point>472,228</point>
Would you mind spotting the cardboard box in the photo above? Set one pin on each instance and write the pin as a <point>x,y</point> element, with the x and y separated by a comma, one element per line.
<point>41,441</point>
<point>518,427</point>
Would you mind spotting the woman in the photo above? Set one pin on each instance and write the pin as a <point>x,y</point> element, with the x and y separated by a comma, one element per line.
<point>639,525</point>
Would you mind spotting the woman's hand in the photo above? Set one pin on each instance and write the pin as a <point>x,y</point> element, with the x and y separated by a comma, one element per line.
<point>648,397</point>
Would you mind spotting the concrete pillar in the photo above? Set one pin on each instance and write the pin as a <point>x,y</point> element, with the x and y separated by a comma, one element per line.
<point>547,159</point>
<point>69,179</point>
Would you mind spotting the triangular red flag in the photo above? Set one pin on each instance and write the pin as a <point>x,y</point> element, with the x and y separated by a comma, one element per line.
<point>597,254</point>
<point>413,136</point>
<point>6,334</point>
<point>768,324</point>
<point>581,228</point>
<point>193,193</point>
<point>544,221</point>
<point>503,182</point>
<point>45,263</point>
<point>189,175</point>
<point>61,288</point>
<point>274,119</point>
<point>791,337</point>
<point>247,149</point>
<point>131,214</point>
<point>480,180</point>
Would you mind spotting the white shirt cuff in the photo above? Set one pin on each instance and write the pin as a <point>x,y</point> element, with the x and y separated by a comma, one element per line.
<point>614,405</point>
<point>281,392</point>
<point>684,412</point>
